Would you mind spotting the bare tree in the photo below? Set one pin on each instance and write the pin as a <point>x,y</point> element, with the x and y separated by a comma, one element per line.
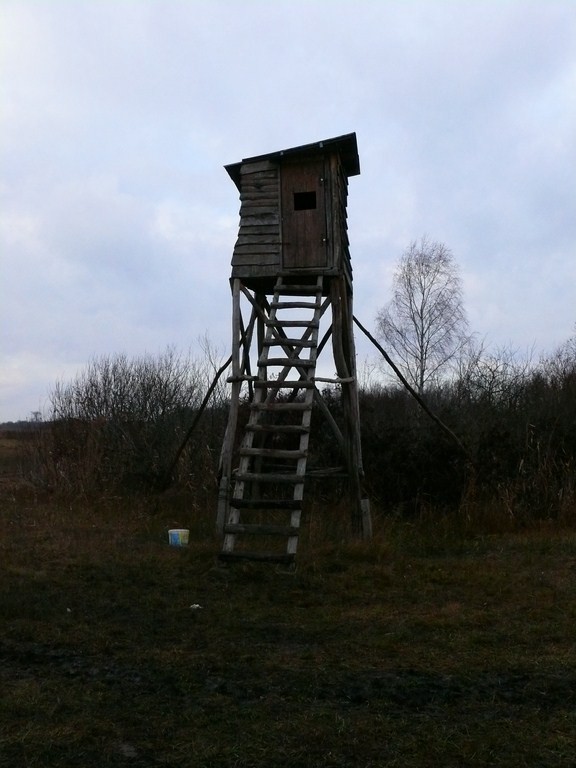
<point>494,378</point>
<point>562,364</point>
<point>425,324</point>
<point>119,423</point>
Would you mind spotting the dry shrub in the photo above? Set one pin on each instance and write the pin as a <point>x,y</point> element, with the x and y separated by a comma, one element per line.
<point>118,425</point>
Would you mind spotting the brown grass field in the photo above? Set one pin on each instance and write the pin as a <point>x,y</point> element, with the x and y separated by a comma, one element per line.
<point>437,644</point>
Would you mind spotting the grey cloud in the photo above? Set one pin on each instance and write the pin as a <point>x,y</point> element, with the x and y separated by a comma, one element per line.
<point>118,221</point>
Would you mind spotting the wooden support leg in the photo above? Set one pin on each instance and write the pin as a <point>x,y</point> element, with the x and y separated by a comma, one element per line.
<point>228,443</point>
<point>345,358</point>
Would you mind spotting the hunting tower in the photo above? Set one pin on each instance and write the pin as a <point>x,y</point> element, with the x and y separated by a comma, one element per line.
<point>291,264</point>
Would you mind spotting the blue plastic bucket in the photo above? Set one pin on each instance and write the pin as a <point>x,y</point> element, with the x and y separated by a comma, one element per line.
<point>178,537</point>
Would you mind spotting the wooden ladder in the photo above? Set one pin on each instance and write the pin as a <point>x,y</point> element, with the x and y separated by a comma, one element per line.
<point>266,503</point>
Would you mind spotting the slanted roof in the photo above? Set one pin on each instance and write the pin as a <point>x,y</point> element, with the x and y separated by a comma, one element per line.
<point>345,146</point>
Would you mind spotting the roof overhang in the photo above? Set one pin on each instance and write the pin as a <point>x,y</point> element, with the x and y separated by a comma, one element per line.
<point>346,146</point>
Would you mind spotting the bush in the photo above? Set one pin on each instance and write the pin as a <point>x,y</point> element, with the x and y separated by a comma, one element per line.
<point>518,422</point>
<point>117,426</point>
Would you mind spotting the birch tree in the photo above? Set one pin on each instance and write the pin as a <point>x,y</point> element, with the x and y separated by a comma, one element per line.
<point>424,324</point>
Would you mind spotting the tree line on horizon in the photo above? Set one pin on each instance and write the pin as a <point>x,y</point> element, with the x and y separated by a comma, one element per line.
<point>116,427</point>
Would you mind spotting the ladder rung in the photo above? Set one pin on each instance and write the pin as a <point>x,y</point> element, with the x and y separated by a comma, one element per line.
<point>268,477</point>
<point>274,453</point>
<point>292,305</point>
<point>261,530</point>
<point>288,361</point>
<point>266,557</point>
<point>302,344</point>
<point>284,384</point>
<point>269,504</point>
<point>337,380</point>
<point>292,323</point>
<point>284,428</point>
<point>280,406</point>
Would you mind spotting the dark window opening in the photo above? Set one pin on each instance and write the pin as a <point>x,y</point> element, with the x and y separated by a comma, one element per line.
<point>304,201</point>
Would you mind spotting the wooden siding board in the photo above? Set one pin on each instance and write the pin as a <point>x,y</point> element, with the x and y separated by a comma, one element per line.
<point>261,167</point>
<point>261,196</point>
<point>257,184</point>
<point>261,188</point>
<point>256,270</point>
<point>253,209</point>
<point>263,259</point>
<point>257,239</point>
<point>257,219</point>
<point>255,248</point>
<point>260,193</point>
<point>260,229</point>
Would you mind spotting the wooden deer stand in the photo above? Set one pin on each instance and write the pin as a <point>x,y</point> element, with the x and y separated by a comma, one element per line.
<point>291,264</point>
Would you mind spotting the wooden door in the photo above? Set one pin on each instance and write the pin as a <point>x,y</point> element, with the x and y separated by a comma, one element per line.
<point>304,236</point>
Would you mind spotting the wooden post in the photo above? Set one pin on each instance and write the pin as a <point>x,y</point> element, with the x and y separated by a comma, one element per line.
<point>345,359</point>
<point>362,501</point>
<point>228,443</point>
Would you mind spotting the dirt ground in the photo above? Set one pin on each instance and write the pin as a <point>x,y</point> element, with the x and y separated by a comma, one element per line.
<point>415,650</point>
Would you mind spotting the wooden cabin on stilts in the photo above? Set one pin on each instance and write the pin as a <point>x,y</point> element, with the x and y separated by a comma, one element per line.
<point>291,270</point>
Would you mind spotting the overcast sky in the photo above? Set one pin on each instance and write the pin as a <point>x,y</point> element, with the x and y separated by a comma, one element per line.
<point>117,219</point>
